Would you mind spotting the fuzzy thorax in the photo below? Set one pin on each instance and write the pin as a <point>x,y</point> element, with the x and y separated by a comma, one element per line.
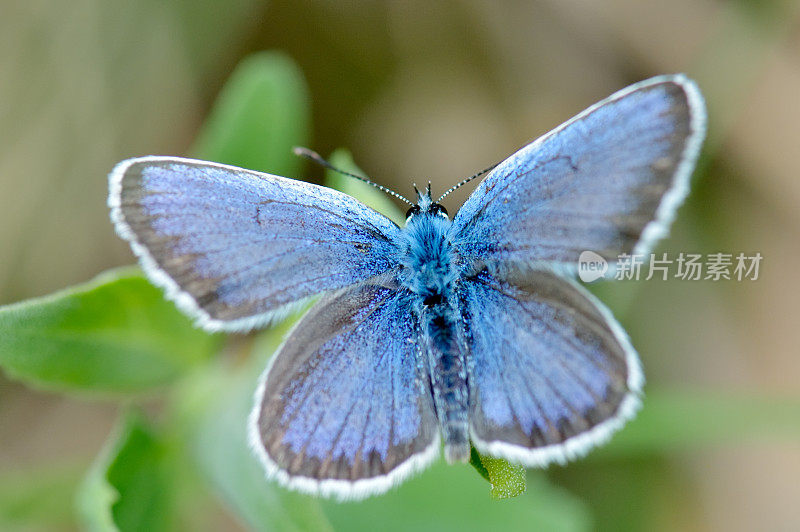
<point>428,259</point>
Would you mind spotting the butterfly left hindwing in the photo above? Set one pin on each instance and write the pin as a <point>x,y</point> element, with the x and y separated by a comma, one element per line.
<point>344,409</point>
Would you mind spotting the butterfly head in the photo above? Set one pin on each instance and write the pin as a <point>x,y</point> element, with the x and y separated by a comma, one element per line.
<point>425,205</point>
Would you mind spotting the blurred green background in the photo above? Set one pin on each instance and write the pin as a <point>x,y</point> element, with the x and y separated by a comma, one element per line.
<point>415,91</point>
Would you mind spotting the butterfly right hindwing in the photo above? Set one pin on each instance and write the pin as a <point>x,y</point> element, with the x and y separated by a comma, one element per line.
<point>551,374</point>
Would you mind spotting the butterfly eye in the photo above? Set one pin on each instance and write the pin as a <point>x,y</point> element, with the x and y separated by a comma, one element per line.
<point>438,209</point>
<point>412,211</point>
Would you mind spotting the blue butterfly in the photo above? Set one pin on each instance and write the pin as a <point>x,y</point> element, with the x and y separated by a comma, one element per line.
<point>470,331</point>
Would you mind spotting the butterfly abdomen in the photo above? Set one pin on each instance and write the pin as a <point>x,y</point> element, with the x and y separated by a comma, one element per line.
<point>446,358</point>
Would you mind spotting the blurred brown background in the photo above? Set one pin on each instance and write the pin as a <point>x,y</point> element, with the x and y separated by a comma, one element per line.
<point>420,91</point>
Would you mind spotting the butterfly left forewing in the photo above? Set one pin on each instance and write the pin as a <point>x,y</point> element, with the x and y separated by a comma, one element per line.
<point>552,374</point>
<point>233,247</point>
<point>344,410</point>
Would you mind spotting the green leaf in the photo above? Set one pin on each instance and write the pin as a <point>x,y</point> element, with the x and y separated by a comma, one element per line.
<point>38,498</point>
<point>507,480</point>
<point>631,494</point>
<point>453,497</point>
<point>261,113</point>
<point>129,486</point>
<point>680,420</point>
<point>365,193</point>
<point>115,333</point>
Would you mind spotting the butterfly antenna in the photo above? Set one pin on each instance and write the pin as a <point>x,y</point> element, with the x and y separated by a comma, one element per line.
<point>465,181</point>
<point>317,158</point>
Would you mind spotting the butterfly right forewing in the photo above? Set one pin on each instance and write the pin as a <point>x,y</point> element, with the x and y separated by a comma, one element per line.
<point>609,180</point>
